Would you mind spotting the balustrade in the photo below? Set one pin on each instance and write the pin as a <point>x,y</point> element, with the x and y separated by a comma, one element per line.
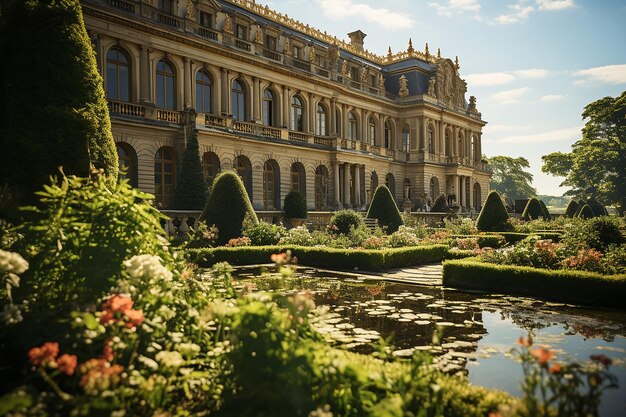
<point>126,109</point>
<point>168,116</point>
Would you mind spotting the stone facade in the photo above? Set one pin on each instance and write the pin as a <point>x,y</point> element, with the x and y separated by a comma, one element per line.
<point>283,104</point>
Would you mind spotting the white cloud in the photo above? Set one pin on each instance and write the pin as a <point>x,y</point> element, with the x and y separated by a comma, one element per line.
<point>341,9</point>
<point>551,98</point>
<point>505,77</point>
<point>570,133</point>
<point>555,4</point>
<point>609,74</point>
<point>519,13</point>
<point>456,6</point>
<point>509,96</point>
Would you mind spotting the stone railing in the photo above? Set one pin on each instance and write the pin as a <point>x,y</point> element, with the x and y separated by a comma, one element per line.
<point>298,137</point>
<point>180,222</point>
<point>256,129</point>
<point>122,5</point>
<point>126,109</point>
<point>168,116</point>
<point>168,19</point>
<point>322,140</point>
<point>270,54</point>
<point>210,120</point>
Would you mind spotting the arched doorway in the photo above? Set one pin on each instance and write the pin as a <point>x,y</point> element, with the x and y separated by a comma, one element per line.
<point>434,189</point>
<point>298,178</point>
<point>390,182</point>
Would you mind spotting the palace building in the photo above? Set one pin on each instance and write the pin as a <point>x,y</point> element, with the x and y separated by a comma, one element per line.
<point>284,105</point>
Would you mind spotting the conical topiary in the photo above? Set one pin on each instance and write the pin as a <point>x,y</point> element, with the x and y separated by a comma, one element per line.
<point>383,207</point>
<point>597,207</point>
<point>544,211</point>
<point>227,207</point>
<point>53,110</point>
<point>191,192</point>
<point>440,205</point>
<point>585,212</point>
<point>493,217</point>
<point>533,210</point>
<point>572,209</point>
<point>295,205</point>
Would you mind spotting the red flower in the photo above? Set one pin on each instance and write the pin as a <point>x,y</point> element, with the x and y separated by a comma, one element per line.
<point>555,369</point>
<point>542,355</point>
<point>45,354</point>
<point>107,350</point>
<point>121,304</point>
<point>135,317</point>
<point>67,364</point>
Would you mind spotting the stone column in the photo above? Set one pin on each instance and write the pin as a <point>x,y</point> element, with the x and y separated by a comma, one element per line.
<point>344,121</point>
<point>187,80</point>
<point>471,192</point>
<point>217,100</point>
<point>332,113</point>
<point>424,134</point>
<point>145,93</point>
<point>225,92</point>
<point>380,140</point>
<point>286,107</point>
<point>256,101</point>
<point>357,186</point>
<point>346,185</point>
<point>336,189</point>
<point>364,127</point>
<point>310,121</point>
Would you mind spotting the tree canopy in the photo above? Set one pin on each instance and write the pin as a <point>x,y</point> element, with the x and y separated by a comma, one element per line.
<point>509,177</point>
<point>595,166</point>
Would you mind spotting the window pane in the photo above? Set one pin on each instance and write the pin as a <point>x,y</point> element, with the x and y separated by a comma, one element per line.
<point>123,83</point>
<point>160,91</point>
<point>112,81</point>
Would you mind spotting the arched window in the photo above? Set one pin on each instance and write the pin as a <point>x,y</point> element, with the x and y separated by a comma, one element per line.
<point>321,121</point>
<point>268,107</point>
<point>271,185</point>
<point>477,197</point>
<point>371,123</point>
<point>434,189</point>
<point>353,127</point>
<point>127,159</point>
<point>164,180</point>
<point>430,140</point>
<point>243,167</point>
<point>118,75</point>
<point>406,138</point>
<point>298,178</point>
<point>388,135</point>
<point>204,92</point>
<point>390,182</point>
<point>297,110</point>
<point>321,188</point>
<point>210,167</point>
<point>165,85</point>
<point>238,98</point>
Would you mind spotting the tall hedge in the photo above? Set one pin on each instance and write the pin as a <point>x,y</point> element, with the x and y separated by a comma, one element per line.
<point>440,205</point>
<point>597,208</point>
<point>585,212</point>
<point>493,216</point>
<point>295,205</point>
<point>383,207</point>
<point>53,110</point>
<point>572,209</point>
<point>191,192</point>
<point>227,206</point>
<point>533,210</point>
<point>545,212</point>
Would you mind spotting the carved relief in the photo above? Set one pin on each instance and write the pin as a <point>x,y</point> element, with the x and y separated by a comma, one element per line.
<point>287,47</point>
<point>259,35</point>
<point>312,54</point>
<point>381,81</point>
<point>365,75</point>
<point>344,68</point>
<point>472,104</point>
<point>333,56</point>
<point>228,24</point>
<point>431,86</point>
<point>190,14</point>
<point>404,87</point>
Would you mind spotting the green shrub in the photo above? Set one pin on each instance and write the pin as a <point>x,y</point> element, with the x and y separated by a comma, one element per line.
<point>440,205</point>
<point>597,233</point>
<point>262,233</point>
<point>72,128</point>
<point>572,209</point>
<point>460,226</point>
<point>383,208</point>
<point>493,216</point>
<point>545,213</point>
<point>295,205</point>
<point>203,236</point>
<point>298,236</point>
<point>191,192</point>
<point>227,207</point>
<point>597,208</point>
<point>585,212</point>
<point>484,240</point>
<point>533,210</point>
<point>343,220</point>
<point>403,237</point>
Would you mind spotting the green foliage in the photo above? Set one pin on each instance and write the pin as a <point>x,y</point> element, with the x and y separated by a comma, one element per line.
<point>402,237</point>
<point>509,177</point>
<point>597,233</point>
<point>493,217</point>
<point>383,207</point>
<point>533,210</point>
<point>460,226</point>
<point>343,220</point>
<point>544,210</point>
<point>67,99</point>
<point>484,240</point>
<point>595,166</point>
<point>263,233</point>
<point>203,236</point>
<point>191,192</point>
<point>585,212</point>
<point>295,205</point>
<point>572,209</point>
<point>440,205</point>
<point>227,207</point>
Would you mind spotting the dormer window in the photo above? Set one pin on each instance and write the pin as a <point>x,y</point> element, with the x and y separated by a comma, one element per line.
<point>270,42</point>
<point>297,51</point>
<point>242,32</point>
<point>206,20</point>
<point>354,73</point>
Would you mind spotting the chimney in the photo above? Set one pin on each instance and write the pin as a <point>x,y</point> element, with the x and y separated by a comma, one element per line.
<point>356,39</point>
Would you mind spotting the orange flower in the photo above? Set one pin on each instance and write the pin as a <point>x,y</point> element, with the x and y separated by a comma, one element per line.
<point>279,258</point>
<point>45,354</point>
<point>525,341</point>
<point>542,355</point>
<point>67,364</point>
<point>555,368</point>
<point>107,350</point>
<point>135,317</point>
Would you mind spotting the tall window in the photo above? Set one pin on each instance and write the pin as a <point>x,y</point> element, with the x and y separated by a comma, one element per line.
<point>242,32</point>
<point>406,138</point>
<point>297,121</point>
<point>373,182</point>
<point>165,5</point>
<point>354,73</point>
<point>164,171</point>
<point>243,167</point>
<point>204,90</point>
<point>321,187</point>
<point>448,144</point>
<point>431,135</point>
<point>165,85</point>
<point>210,167</point>
<point>238,98</point>
<point>118,75</point>
<point>206,20</point>
<point>270,42</point>
<point>372,130</point>
<point>473,149</point>
<point>298,180</point>
<point>271,186</point>
<point>127,160</point>
<point>353,127</point>
<point>321,121</point>
<point>268,108</point>
<point>338,123</point>
<point>388,135</point>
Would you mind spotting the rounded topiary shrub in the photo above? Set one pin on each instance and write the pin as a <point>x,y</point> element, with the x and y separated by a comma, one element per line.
<point>546,214</point>
<point>295,205</point>
<point>384,209</point>
<point>227,207</point>
<point>585,212</point>
<point>572,209</point>
<point>533,210</point>
<point>597,208</point>
<point>493,217</point>
<point>343,219</point>
<point>440,205</point>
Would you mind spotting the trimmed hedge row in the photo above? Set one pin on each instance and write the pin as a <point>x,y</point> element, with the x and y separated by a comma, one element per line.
<point>514,237</point>
<point>569,286</point>
<point>369,260</point>
<point>484,241</point>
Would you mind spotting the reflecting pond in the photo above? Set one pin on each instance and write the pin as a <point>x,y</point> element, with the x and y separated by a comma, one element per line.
<point>466,332</point>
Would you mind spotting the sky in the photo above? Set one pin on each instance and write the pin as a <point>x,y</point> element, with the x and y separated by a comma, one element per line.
<point>533,65</point>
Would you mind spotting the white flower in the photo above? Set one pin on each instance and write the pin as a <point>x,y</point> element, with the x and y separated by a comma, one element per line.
<point>147,267</point>
<point>148,363</point>
<point>170,359</point>
<point>12,262</point>
<point>188,349</point>
<point>11,314</point>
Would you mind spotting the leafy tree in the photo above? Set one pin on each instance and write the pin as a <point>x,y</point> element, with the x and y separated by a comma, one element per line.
<point>191,192</point>
<point>384,208</point>
<point>510,178</point>
<point>595,166</point>
<point>53,110</point>
<point>493,217</point>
